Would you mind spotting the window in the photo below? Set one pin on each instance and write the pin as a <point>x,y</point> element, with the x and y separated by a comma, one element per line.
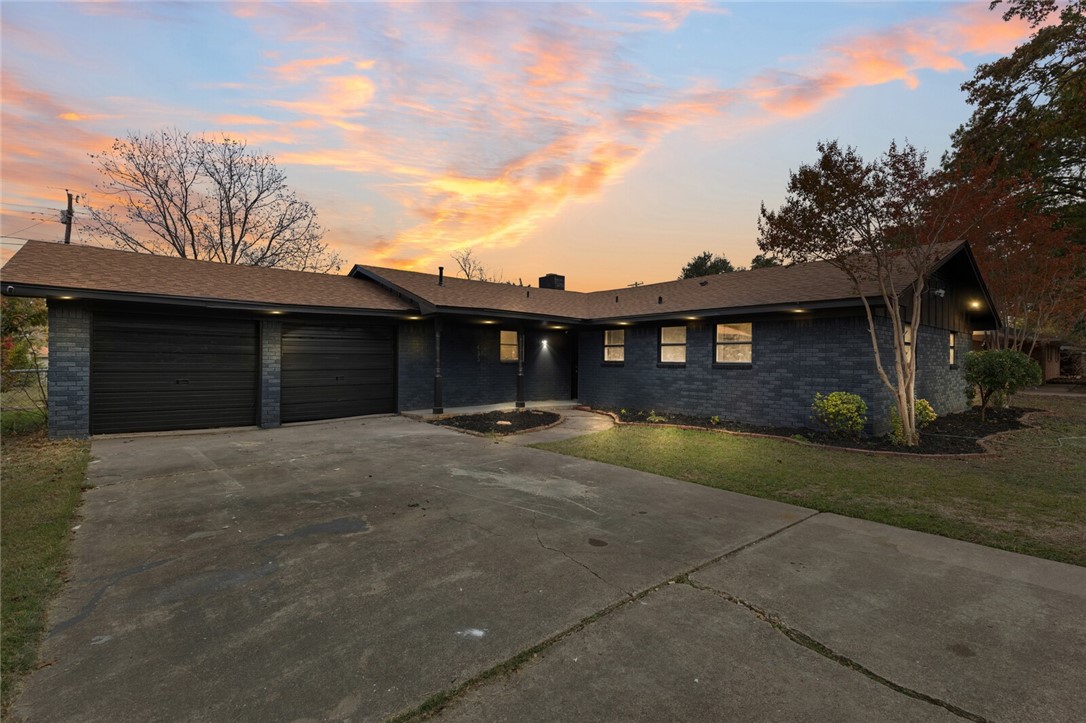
<point>907,334</point>
<point>953,340</point>
<point>614,345</point>
<point>734,344</point>
<point>509,346</point>
<point>673,345</point>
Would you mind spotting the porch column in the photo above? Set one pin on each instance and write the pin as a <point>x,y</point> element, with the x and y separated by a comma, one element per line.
<point>439,406</point>
<point>520,369</point>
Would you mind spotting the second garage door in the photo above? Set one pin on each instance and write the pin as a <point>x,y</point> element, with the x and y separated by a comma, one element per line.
<point>337,371</point>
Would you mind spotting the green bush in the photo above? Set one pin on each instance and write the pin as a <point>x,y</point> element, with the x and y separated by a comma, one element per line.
<point>999,372</point>
<point>922,411</point>
<point>843,414</point>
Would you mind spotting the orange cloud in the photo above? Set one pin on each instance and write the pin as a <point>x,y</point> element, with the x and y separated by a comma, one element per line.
<point>898,54</point>
<point>671,14</point>
<point>298,70</point>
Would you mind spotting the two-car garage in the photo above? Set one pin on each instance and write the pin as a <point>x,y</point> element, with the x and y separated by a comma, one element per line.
<point>153,372</point>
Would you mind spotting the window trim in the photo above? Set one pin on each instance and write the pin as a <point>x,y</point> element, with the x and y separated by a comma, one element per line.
<point>717,344</point>
<point>606,346</point>
<point>503,345</point>
<point>660,344</point>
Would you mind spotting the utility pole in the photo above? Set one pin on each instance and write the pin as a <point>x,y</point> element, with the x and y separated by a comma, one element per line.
<point>66,219</point>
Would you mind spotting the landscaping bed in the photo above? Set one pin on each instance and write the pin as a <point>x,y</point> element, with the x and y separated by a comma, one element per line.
<point>501,423</point>
<point>956,433</point>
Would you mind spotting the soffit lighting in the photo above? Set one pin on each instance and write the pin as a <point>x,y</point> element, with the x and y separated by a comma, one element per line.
<point>66,298</point>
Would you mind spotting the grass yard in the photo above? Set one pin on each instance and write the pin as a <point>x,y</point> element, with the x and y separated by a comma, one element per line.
<point>1028,498</point>
<point>40,484</point>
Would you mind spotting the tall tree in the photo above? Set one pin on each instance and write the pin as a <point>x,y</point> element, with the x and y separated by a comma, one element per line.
<point>706,264</point>
<point>179,194</point>
<point>1030,108</point>
<point>1030,262</point>
<point>877,222</point>
<point>763,261</point>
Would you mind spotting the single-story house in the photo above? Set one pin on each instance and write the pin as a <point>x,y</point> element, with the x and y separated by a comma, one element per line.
<point>142,343</point>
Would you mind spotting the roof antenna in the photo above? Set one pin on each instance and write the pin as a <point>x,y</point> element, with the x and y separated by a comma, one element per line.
<point>440,275</point>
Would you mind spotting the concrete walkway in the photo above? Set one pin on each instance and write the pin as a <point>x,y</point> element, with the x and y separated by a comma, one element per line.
<point>354,570</point>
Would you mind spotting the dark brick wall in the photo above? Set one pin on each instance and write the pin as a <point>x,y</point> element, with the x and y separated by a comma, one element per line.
<point>69,369</point>
<point>471,369</point>
<point>792,360</point>
<point>415,365</point>
<point>271,367</point>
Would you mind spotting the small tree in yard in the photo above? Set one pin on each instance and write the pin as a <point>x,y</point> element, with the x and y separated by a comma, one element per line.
<point>883,225</point>
<point>999,371</point>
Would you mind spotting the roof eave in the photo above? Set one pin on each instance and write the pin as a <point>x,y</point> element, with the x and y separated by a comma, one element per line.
<point>57,292</point>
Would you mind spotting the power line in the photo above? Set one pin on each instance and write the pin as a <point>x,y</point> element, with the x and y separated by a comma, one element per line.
<point>12,234</point>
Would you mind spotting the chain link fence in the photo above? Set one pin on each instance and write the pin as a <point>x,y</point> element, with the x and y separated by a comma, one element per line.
<point>23,394</point>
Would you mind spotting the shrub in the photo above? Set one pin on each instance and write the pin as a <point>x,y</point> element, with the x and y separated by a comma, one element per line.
<point>843,414</point>
<point>922,411</point>
<point>999,372</point>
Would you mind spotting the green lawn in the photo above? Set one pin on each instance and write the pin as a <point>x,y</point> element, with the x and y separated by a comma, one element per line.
<point>40,484</point>
<point>1029,498</point>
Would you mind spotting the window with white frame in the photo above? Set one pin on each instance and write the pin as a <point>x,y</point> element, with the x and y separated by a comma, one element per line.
<point>614,345</point>
<point>673,345</point>
<point>734,344</point>
<point>510,347</point>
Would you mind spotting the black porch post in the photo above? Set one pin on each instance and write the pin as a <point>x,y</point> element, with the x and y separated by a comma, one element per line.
<point>520,369</point>
<point>439,405</point>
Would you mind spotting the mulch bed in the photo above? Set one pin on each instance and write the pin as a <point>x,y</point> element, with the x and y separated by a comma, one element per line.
<point>950,434</point>
<point>490,422</point>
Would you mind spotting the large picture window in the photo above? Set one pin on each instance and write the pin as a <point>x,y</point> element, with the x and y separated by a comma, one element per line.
<point>734,344</point>
<point>614,345</point>
<point>673,345</point>
<point>510,348</point>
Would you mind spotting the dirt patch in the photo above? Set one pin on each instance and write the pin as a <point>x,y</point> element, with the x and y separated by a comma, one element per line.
<point>950,434</point>
<point>501,423</point>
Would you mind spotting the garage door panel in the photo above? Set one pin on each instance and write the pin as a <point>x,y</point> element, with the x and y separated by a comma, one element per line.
<point>152,372</point>
<point>330,372</point>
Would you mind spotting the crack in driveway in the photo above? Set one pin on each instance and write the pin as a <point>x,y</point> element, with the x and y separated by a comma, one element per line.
<point>801,638</point>
<point>575,560</point>
<point>437,702</point>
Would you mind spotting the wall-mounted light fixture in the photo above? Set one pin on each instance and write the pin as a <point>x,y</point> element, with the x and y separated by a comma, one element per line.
<point>939,292</point>
<point>544,343</point>
<point>974,304</point>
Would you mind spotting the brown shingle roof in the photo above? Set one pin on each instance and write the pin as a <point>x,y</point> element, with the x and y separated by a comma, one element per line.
<point>780,286</point>
<point>89,268</point>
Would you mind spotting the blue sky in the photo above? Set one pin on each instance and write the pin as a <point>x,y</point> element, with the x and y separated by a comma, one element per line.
<point>606,141</point>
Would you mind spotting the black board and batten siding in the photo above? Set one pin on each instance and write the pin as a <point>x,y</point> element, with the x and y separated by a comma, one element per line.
<point>156,372</point>
<point>337,371</point>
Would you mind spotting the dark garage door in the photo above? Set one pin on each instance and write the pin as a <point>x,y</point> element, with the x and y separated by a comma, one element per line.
<point>151,372</point>
<point>335,371</point>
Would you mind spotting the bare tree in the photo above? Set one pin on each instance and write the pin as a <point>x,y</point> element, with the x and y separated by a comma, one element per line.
<point>177,194</point>
<point>472,268</point>
<point>882,224</point>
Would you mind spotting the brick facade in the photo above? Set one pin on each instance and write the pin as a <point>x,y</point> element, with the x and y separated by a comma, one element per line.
<point>792,360</point>
<point>69,369</point>
<point>472,371</point>
<point>271,367</point>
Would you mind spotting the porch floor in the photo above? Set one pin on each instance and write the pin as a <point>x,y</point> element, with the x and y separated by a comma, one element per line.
<point>451,411</point>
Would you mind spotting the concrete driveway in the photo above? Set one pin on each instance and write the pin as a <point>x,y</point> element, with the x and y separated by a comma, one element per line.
<point>353,570</point>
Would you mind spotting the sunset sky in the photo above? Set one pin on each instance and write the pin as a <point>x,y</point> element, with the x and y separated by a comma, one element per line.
<point>609,142</point>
